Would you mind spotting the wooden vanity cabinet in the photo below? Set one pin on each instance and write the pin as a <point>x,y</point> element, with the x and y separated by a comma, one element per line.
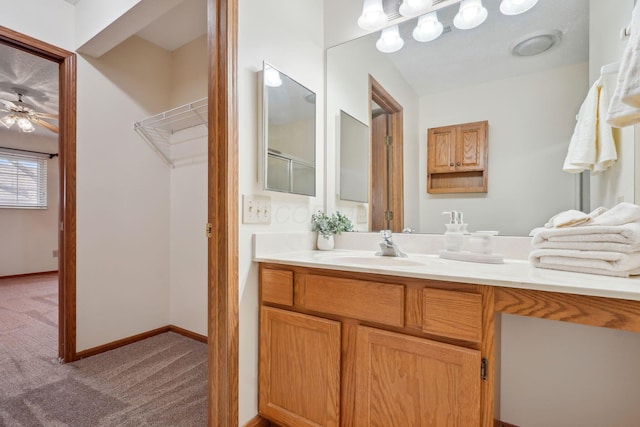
<point>348,349</point>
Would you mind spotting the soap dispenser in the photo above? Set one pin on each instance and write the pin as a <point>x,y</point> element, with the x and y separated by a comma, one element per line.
<point>453,237</point>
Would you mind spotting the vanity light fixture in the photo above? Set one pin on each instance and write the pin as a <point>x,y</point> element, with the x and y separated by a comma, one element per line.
<point>373,16</point>
<point>272,77</point>
<point>428,28</point>
<point>411,8</point>
<point>390,40</point>
<point>470,15</point>
<point>516,7</point>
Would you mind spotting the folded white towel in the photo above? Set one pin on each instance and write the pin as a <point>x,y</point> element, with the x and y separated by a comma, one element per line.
<point>620,214</point>
<point>590,246</point>
<point>592,144</point>
<point>576,259</point>
<point>628,234</point>
<point>586,270</point>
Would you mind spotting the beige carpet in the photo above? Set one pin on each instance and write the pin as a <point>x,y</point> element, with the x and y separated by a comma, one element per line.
<point>161,381</point>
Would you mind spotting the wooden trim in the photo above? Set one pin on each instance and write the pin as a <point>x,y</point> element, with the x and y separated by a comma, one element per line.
<point>223,213</point>
<point>139,337</point>
<point>67,162</point>
<point>121,343</point>
<point>582,309</point>
<point>25,275</point>
<point>258,421</point>
<point>188,334</point>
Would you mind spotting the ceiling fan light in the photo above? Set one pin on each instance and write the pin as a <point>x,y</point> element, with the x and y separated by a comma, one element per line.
<point>411,8</point>
<point>428,28</point>
<point>373,16</point>
<point>390,40</point>
<point>516,7</point>
<point>8,120</point>
<point>470,15</point>
<point>25,125</point>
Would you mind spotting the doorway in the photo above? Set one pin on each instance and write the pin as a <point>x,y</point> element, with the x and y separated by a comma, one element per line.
<point>386,207</point>
<point>67,181</point>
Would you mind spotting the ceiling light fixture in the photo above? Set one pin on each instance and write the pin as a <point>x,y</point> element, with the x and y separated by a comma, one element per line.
<point>536,43</point>
<point>390,40</point>
<point>411,8</point>
<point>272,77</point>
<point>373,16</point>
<point>470,15</point>
<point>428,28</point>
<point>516,7</point>
<point>21,119</point>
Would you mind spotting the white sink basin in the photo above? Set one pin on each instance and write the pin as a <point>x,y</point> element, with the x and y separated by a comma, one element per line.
<point>374,261</point>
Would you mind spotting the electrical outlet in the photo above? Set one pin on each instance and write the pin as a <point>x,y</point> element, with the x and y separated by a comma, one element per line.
<point>361,215</point>
<point>256,209</point>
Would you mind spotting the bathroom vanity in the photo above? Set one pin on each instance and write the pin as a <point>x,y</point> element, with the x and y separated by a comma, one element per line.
<point>349,339</point>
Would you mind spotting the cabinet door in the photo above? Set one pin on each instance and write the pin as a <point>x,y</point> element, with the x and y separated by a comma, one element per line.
<point>299,369</point>
<point>408,381</point>
<point>441,149</point>
<point>471,147</point>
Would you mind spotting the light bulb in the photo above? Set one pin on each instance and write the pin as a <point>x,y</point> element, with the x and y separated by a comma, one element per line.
<point>25,125</point>
<point>428,28</point>
<point>373,15</point>
<point>411,8</point>
<point>272,77</point>
<point>390,40</point>
<point>516,7</point>
<point>470,15</point>
<point>8,120</point>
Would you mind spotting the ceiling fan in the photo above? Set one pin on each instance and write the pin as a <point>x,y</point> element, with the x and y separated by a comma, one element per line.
<point>24,115</point>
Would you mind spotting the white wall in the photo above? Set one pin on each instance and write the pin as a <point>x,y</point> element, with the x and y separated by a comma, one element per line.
<point>188,253</point>
<point>617,183</point>
<point>289,35</point>
<point>53,23</point>
<point>348,69</point>
<point>531,119</point>
<point>29,236</point>
<point>122,196</point>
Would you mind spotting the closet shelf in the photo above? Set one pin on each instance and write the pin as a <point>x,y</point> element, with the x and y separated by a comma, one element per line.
<point>158,131</point>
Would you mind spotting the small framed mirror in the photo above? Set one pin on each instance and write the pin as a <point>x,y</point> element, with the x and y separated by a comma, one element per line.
<point>354,159</point>
<point>289,134</point>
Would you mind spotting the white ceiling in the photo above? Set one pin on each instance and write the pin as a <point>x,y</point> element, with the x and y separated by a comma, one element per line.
<point>179,26</point>
<point>465,57</point>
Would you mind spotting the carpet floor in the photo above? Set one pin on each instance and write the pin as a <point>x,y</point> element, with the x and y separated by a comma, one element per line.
<point>160,381</point>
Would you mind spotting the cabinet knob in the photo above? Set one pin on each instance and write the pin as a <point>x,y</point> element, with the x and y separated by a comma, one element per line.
<point>451,164</point>
<point>458,164</point>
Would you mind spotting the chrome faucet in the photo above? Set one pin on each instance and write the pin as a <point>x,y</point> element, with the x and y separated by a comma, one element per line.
<point>387,247</point>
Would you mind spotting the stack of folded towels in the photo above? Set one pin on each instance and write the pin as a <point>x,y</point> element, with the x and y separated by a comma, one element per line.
<point>605,241</point>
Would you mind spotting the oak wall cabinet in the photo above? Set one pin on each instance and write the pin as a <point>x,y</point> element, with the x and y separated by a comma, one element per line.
<point>339,349</point>
<point>457,158</point>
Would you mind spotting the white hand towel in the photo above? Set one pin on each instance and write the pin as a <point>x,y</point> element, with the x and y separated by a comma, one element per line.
<point>592,144</point>
<point>624,106</point>
<point>602,260</point>
<point>627,234</point>
<point>620,214</point>
<point>572,218</point>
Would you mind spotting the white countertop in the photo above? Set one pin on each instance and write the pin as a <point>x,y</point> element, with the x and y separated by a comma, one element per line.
<point>513,273</point>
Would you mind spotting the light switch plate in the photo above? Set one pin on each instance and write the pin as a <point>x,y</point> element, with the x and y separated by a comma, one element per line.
<point>361,215</point>
<point>256,209</point>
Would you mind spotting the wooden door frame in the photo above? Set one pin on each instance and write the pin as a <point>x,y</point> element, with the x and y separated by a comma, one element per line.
<point>223,213</point>
<point>67,188</point>
<point>380,96</point>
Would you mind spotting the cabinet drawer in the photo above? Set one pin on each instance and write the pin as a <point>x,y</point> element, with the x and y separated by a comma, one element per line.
<point>276,286</point>
<point>452,314</point>
<point>358,299</point>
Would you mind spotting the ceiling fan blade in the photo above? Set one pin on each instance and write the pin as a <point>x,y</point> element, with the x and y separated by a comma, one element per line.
<point>46,115</point>
<point>45,125</point>
<point>8,104</point>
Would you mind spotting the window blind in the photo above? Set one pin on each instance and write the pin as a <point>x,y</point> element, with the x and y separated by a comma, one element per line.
<point>23,181</point>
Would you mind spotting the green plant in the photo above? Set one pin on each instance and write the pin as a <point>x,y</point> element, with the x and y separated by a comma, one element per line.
<point>330,225</point>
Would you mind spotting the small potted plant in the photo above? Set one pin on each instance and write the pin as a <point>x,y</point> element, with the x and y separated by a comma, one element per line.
<point>328,226</point>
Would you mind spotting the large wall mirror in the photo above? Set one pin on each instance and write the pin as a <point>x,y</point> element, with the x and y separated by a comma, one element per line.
<point>289,134</point>
<point>530,102</point>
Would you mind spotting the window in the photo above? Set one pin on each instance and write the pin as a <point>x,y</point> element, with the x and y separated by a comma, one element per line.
<point>23,181</point>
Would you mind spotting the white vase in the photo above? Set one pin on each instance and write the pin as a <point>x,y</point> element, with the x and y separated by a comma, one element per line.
<point>325,243</point>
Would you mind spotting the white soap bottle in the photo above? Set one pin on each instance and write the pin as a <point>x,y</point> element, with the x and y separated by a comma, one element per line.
<point>453,237</point>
